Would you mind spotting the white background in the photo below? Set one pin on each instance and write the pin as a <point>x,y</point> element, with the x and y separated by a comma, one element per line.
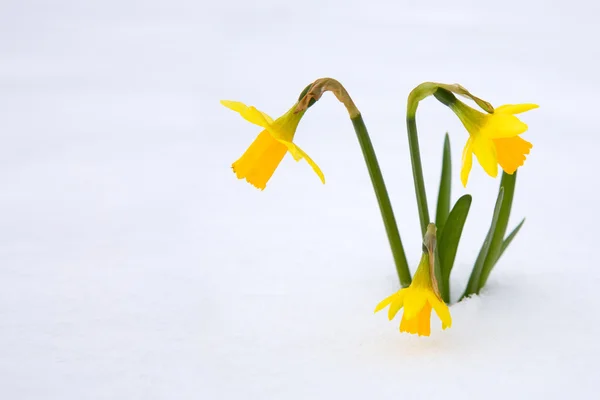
<point>134,265</point>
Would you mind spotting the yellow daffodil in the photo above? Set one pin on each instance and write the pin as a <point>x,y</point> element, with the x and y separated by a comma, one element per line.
<point>259,162</point>
<point>420,297</point>
<point>493,138</point>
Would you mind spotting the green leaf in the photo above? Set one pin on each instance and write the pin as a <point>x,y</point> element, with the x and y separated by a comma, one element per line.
<point>508,183</point>
<point>449,238</point>
<point>443,202</point>
<point>510,238</point>
<point>473,285</point>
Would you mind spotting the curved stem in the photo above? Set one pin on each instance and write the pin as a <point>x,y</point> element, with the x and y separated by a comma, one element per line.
<point>313,93</point>
<point>387,214</point>
<point>443,92</point>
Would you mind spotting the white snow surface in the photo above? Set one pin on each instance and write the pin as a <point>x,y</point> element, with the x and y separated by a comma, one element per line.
<point>134,265</point>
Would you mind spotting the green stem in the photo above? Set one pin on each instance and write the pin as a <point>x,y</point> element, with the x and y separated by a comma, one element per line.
<point>415,158</point>
<point>387,214</point>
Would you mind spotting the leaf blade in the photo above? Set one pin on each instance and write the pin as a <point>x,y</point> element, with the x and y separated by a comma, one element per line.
<point>443,201</point>
<point>475,278</point>
<point>508,183</point>
<point>450,238</point>
<point>510,238</point>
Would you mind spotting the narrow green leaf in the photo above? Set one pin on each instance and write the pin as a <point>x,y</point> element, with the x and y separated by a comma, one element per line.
<point>508,183</point>
<point>473,285</point>
<point>443,202</point>
<point>510,238</point>
<point>449,238</point>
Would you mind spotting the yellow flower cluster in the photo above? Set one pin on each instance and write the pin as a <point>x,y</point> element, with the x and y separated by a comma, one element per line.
<point>494,138</point>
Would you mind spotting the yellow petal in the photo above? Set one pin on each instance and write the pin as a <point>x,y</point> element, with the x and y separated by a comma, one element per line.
<point>502,126</point>
<point>485,151</point>
<point>409,325</point>
<point>515,108</point>
<point>442,311</point>
<point>250,114</point>
<point>259,161</point>
<point>396,304</point>
<point>424,321</point>
<point>467,162</point>
<point>384,303</point>
<point>511,152</point>
<point>414,301</point>
<point>299,154</point>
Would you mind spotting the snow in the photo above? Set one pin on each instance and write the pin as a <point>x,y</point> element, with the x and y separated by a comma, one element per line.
<point>133,265</point>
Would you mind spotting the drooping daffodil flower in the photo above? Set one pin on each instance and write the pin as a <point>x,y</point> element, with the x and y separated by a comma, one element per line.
<point>421,296</point>
<point>262,158</point>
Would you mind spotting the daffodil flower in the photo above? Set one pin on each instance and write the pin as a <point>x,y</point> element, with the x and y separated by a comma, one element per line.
<point>493,138</point>
<point>420,297</point>
<point>260,160</point>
